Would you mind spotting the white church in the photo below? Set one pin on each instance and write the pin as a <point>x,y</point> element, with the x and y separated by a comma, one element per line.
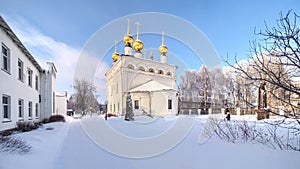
<point>27,91</point>
<point>152,84</point>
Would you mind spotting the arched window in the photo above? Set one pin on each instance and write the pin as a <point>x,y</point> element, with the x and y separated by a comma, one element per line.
<point>141,68</point>
<point>130,66</point>
<point>169,74</point>
<point>151,70</point>
<point>160,72</point>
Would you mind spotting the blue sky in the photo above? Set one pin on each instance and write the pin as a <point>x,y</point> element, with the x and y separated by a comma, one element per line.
<point>57,30</point>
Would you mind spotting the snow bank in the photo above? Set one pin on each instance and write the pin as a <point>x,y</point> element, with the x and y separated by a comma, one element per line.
<point>67,146</point>
<point>46,146</point>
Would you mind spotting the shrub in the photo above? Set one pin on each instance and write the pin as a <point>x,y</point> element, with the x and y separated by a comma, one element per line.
<point>27,125</point>
<point>45,120</point>
<point>13,145</point>
<point>111,115</point>
<point>57,118</point>
<point>8,132</point>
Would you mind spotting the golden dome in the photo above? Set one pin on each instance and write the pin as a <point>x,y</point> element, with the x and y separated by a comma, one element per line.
<point>138,45</point>
<point>128,39</point>
<point>163,49</point>
<point>115,56</point>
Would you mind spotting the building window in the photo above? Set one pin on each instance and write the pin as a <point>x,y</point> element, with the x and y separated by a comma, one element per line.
<point>142,68</point>
<point>30,110</point>
<point>114,107</point>
<point>5,59</point>
<point>160,72</point>
<point>136,104</point>
<point>36,110</point>
<point>29,72</point>
<point>151,70</point>
<point>6,108</point>
<point>130,66</point>
<point>21,108</point>
<point>20,70</point>
<point>36,82</point>
<point>169,104</point>
<point>169,74</point>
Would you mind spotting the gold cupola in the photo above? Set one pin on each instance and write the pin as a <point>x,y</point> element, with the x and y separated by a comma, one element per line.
<point>138,44</point>
<point>128,39</point>
<point>115,55</point>
<point>163,49</point>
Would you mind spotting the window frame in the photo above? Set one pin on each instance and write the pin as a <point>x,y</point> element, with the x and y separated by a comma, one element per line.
<point>21,108</point>
<point>7,70</point>
<point>36,82</point>
<point>29,76</point>
<point>20,70</point>
<point>36,110</point>
<point>151,70</point>
<point>136,105</point>
<point>170,104</point>
<point>8,105</point>
<point>30,110</point>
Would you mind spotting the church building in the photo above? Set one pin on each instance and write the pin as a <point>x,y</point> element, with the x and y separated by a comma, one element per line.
<point>152,84</point>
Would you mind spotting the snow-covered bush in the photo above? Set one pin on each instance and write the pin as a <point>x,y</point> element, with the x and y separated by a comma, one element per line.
<point>13,145</point>
<point>275,135</point>
<point>57,118</point>
<point>27,125</point>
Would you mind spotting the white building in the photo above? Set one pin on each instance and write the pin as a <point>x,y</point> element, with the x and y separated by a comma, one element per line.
<point>26,90</point>
<point>61,103</point>
<point>152,84</point>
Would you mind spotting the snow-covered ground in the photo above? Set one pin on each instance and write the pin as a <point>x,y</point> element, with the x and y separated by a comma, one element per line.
<point>69,146</point>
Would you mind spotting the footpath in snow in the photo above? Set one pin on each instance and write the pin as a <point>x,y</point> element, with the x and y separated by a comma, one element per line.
<point>69,146</point>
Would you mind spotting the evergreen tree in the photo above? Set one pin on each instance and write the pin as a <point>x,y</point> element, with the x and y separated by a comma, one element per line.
<point>129,112</point>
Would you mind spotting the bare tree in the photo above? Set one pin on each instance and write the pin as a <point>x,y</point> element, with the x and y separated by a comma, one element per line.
<point>275,60</point>
<point>84,96</point>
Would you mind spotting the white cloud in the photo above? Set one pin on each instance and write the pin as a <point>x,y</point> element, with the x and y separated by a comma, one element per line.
<point>44,48</point>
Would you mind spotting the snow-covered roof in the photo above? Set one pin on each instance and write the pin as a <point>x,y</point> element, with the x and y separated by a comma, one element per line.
<point>151,86</point>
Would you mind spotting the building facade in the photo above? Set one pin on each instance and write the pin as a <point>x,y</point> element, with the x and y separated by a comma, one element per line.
<point>25,86</point>
<point>61,103</point>
<point>152,84</point>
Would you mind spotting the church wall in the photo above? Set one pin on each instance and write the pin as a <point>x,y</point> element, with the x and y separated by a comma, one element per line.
<point>114,90</point>
<point>159,102</point>
<point>143,100</point>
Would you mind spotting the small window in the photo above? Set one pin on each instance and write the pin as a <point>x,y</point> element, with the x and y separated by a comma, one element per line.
<point>114,107</point>
<point>30,110</point>
<point>5,59</point>
<point>6,108</point>
<point>142,68</point>
<point>151,70</point>
<point>130,66</point>
<point>169,74</point>
<point>136,104</point>
<point>29,73</point>
<point>20,70</point>
<point>36,82</point>
<point>169,104</point>
<point>160,72</point>
<point>36,110</point>
<point>21,108</point>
